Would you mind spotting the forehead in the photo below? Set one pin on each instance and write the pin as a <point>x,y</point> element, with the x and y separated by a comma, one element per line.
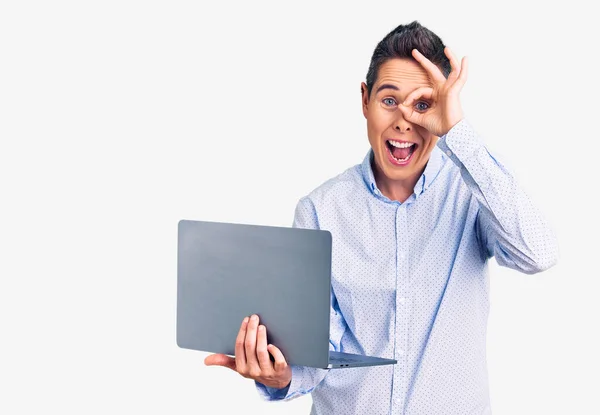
<point>407,74</point>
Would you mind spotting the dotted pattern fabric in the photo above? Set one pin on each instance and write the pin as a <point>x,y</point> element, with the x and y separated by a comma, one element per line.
<point>410,280</point>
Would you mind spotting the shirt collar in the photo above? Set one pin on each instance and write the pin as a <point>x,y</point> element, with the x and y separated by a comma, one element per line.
<point>433,167</point>
<point>367,172</point>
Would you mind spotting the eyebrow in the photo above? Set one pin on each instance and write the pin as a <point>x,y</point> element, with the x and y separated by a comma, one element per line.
<point>386,86</point>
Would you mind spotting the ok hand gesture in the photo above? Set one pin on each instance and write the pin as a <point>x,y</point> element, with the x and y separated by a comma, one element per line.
<point>445,110</point>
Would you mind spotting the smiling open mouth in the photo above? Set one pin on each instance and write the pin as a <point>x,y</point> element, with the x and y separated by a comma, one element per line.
<point>401,152</point>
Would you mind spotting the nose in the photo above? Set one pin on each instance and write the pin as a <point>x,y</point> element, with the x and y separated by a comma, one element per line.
<point>400,123</point>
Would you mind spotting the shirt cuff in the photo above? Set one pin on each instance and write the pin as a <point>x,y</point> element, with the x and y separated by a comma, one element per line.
<point>461,142</point>
<point>272,394</point>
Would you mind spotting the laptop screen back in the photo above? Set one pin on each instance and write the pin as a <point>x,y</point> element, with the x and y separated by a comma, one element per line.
<point>227,271</point>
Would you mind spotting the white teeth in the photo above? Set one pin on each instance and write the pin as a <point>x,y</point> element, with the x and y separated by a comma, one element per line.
<point>400,145</point>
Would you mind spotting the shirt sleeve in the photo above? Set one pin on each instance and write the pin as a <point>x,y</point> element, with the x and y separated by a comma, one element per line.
<point>509,226</point>
<point>304,378</point>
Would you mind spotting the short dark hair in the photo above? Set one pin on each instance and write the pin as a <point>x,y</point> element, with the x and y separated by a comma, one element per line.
<point>400,42</point>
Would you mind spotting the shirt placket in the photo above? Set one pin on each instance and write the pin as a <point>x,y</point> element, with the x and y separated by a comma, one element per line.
<point>402,310</point>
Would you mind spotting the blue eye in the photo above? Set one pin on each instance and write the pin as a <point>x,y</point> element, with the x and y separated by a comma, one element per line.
<point>423,109</point>
<point>389,102</point>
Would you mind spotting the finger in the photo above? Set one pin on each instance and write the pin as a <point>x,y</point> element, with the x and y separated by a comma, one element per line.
<point>412,116</point>
<point>280,362</point>
<point>462,78</point>
<point>433,71</point>
<point>454,73</point>
<point>261,350</point>
<point>407,107</point>
<point>220,360</point>
<point>250,344</point>
<point>240,353</point>
<point>422,92</point>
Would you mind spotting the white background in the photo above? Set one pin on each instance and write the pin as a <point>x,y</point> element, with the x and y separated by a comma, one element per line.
<point>118,118</point>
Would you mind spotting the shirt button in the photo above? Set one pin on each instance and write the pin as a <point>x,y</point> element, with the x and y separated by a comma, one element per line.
<point>397,400</point>
<point>401,300</point>
<point>402,255</point>
<point>400,352</point>
<point>449,153</point>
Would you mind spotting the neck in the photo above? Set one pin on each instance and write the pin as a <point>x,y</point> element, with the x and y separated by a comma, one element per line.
<point>399,190</point>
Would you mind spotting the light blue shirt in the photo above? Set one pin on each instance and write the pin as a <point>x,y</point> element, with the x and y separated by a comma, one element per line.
<point>410,280</point>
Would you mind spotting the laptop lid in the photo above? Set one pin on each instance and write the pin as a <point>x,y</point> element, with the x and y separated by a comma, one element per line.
<point>227,271</point>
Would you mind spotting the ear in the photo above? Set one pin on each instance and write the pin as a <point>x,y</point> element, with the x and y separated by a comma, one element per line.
<point>364,98</point>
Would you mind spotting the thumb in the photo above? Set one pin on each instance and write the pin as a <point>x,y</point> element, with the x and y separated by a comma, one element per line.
<point>220,360</point>
<point>412,116</point>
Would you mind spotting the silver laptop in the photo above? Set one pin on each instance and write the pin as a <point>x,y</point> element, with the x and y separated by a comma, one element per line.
<point>227,271</point>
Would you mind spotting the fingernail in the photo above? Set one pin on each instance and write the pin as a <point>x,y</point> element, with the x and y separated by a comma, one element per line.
<point>254,317</point>
<point>261,327</point>
<point>246,319</point>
